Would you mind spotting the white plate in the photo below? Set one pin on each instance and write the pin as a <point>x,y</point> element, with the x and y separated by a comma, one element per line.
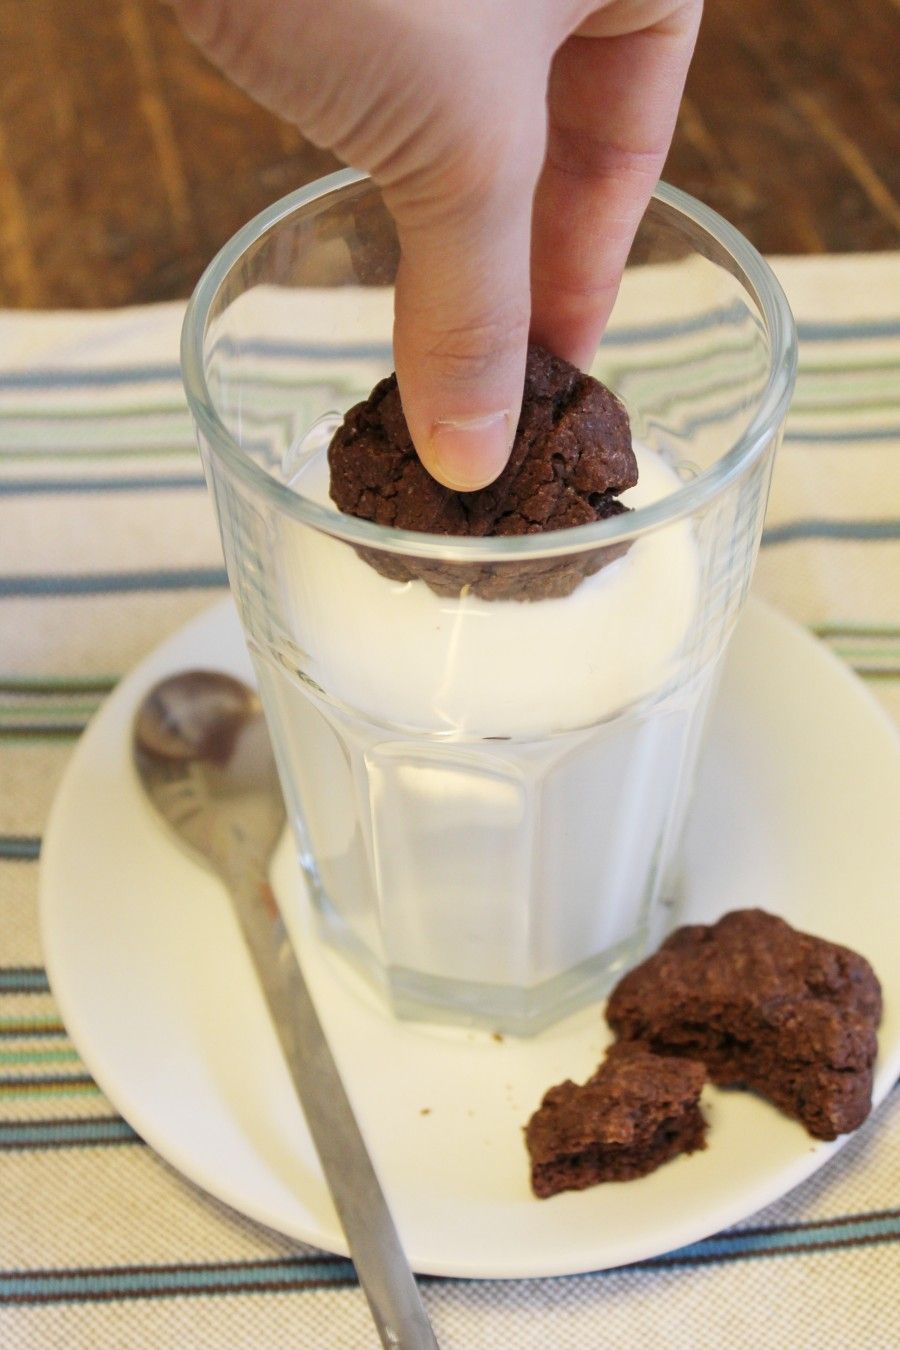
<point>797,806</point>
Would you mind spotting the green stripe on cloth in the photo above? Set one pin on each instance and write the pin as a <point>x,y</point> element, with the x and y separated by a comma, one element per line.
<point>44,712</point>
<point>24,708</point>
<point>850,628</point>
<point>61,1056</point>
<point>48,1085</point>
<point>41,731</point>
<point>13,1028</point>
<point>57,684</point>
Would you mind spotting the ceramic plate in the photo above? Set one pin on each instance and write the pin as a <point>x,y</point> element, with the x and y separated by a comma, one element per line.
<point>796,811</point>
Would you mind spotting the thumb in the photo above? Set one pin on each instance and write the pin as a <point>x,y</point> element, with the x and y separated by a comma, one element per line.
<point>462,310</point>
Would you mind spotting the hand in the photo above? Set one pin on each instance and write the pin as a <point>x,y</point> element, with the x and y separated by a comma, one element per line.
<point>516,143</point>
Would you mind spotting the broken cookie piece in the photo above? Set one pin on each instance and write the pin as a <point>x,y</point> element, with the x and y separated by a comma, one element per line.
<point>765,1007</point>
<point>571,457</point>
<point>635,1113</point>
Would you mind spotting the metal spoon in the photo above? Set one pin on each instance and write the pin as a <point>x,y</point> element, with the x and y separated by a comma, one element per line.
<point>203,755</point>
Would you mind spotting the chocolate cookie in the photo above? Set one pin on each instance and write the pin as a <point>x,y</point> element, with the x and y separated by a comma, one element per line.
<point>763,1006</point>
<point>571,456</point>
<point>635,1113</point>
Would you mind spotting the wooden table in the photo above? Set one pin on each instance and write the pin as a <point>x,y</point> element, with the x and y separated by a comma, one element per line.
<point>126,160</point>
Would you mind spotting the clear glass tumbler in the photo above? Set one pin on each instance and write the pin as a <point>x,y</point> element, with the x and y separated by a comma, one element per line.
<point>486,745</point>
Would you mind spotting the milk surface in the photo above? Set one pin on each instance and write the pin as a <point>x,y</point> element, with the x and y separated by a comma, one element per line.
<point>473,667</point>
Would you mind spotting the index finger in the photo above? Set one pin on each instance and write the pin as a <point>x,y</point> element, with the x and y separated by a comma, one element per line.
<point>613,99</point>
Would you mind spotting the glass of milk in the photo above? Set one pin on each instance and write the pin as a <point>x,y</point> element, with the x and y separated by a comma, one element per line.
<point>487,792</point>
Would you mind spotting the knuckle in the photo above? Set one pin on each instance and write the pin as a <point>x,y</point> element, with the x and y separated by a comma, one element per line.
<point>220,30</point>
<point>468,352</point>
<point>207,22</point>
<point>479,154</point>
<point>590,158</point>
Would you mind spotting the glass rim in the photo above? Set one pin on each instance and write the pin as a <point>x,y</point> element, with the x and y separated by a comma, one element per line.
<point>750,268</point>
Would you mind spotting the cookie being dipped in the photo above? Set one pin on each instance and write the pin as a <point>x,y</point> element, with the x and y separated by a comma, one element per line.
<point>571,459</point>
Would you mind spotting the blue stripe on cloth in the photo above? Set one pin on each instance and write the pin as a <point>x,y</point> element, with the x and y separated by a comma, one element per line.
<point>205,578</point>
<point>807,332</point>
<point>697,323</point>
<point>23,980</point>
<point>866,531</point>
<point>20,847</point>
<point>63,378</point>
<point>14,487</point>
<point>67,378</point>
<point>313,1271</point>
<point>147,1281</point>
<point>840,332</point>
<point>108,583</point>
<point>84,1133</point>
<point>848,434</point>
<point>689,426</point>
<point>790,1239</point>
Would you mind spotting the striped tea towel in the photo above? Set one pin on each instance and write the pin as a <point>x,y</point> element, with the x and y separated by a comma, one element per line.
<point>107,543</point>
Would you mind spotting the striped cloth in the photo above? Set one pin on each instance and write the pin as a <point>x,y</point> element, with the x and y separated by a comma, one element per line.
<point>107,543</point>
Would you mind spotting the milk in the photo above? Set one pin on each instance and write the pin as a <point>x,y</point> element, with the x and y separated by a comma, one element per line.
<point>487,793</point>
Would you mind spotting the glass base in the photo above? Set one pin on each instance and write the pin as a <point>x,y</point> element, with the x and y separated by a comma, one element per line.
<point>412,996</point>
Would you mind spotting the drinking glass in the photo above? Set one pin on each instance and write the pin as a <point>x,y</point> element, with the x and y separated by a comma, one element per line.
<point>486,745</point>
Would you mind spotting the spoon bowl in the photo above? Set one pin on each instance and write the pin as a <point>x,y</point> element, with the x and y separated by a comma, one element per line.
<point>203,754</point>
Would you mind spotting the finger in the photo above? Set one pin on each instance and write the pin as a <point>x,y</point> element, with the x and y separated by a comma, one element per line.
<point>613,100</point>
<point>462,311</point>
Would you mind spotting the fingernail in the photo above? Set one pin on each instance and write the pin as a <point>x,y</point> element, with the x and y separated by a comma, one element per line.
<point>467,453</point>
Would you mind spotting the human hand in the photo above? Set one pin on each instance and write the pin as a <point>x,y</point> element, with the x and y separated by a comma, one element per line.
<point>516,142</point>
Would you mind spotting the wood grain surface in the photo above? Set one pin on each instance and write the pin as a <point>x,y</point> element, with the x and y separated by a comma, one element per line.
<point>126,160</point>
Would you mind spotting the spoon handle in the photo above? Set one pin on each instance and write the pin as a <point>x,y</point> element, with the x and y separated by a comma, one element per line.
<point>381,1265</point>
